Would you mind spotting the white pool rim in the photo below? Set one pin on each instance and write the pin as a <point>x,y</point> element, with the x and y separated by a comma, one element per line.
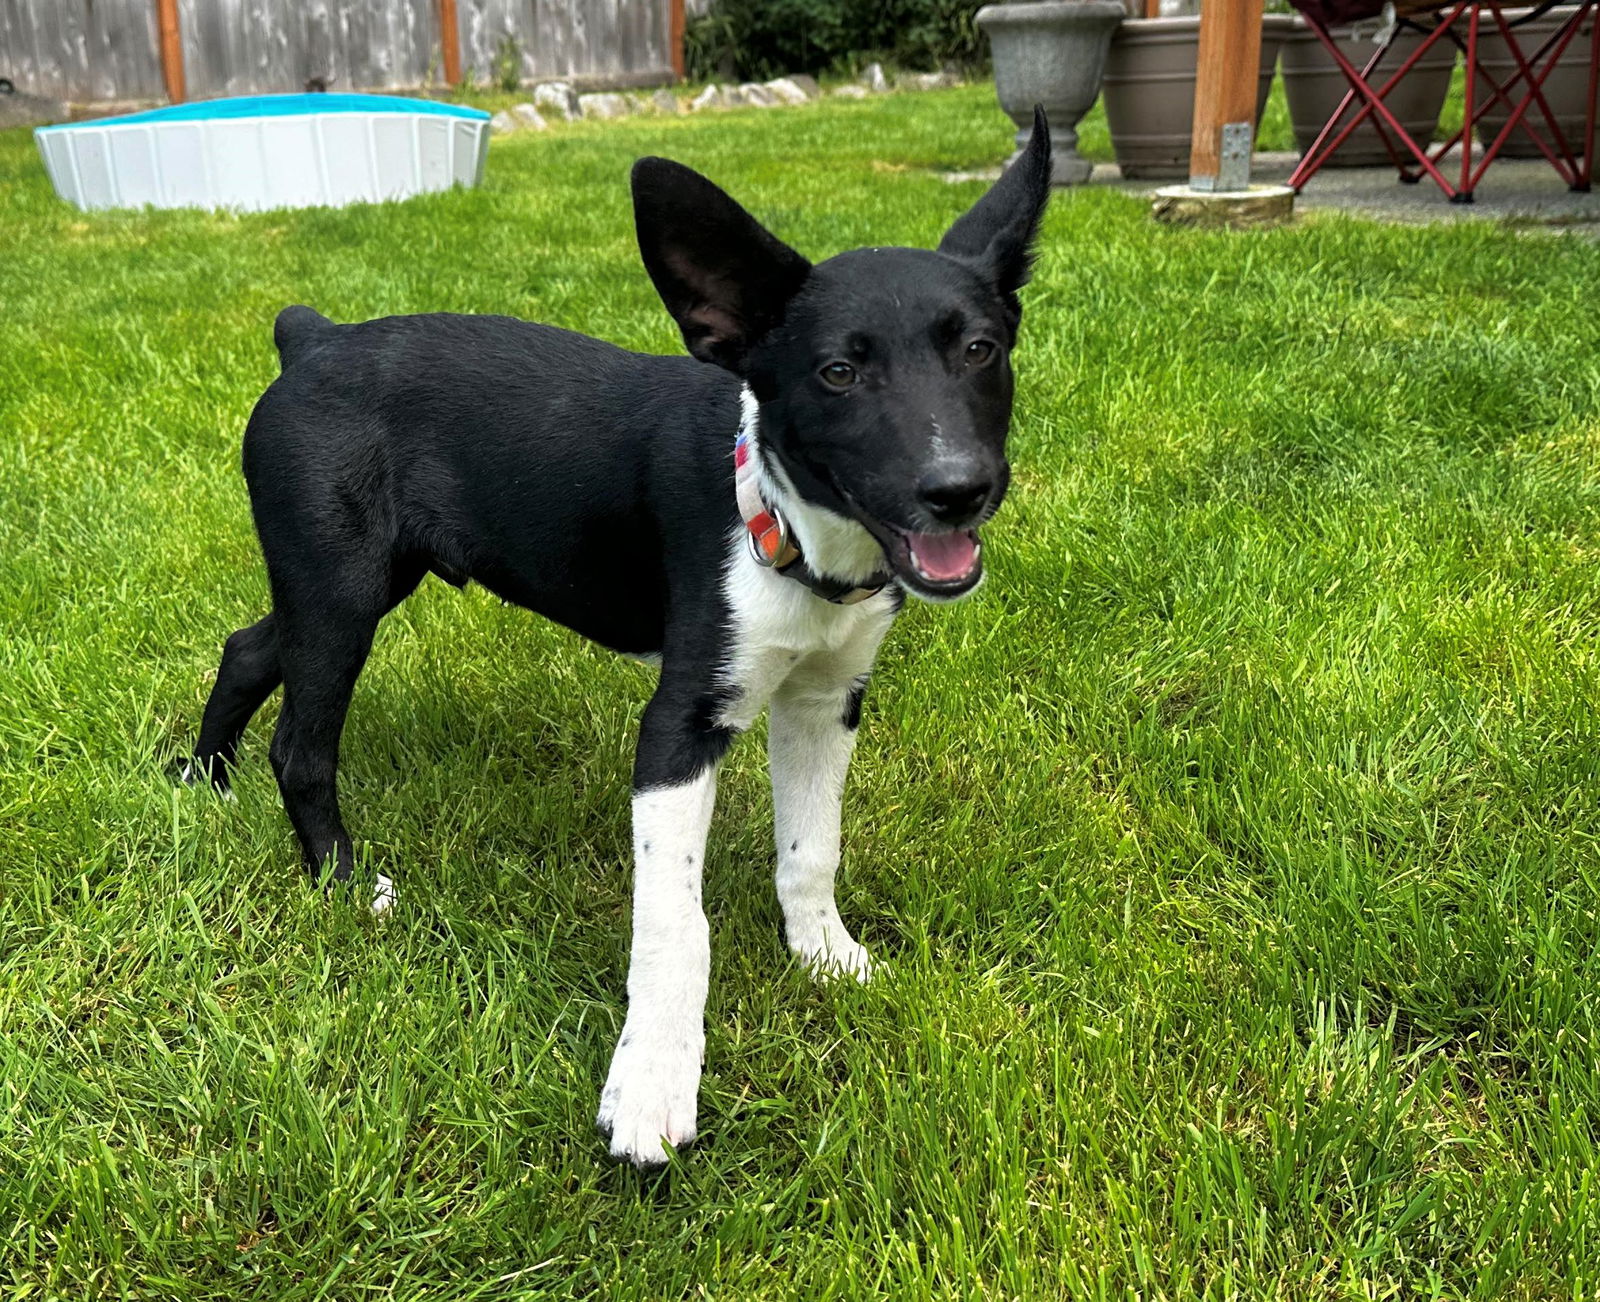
<point>258,152</point>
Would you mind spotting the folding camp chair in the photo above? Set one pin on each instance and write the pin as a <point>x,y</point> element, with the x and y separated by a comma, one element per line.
<point>1439,22</point>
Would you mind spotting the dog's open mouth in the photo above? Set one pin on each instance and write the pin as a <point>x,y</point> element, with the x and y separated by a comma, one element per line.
<point>944,557</point>
<point>934,564</point>
<point>941,566</point>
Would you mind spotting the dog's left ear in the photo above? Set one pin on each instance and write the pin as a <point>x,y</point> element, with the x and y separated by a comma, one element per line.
<point>724,277</point>
<point>996,234</point>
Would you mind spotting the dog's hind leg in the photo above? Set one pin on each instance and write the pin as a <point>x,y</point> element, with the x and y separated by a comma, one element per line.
<point>323,641</point>
<point>321,663</point>
<point>249,673</point>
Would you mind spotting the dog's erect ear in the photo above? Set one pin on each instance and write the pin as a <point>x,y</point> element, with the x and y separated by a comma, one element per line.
<point>996,234</point>
<point>724,277</point>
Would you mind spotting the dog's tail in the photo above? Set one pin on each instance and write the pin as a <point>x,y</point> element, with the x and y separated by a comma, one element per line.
<point>294,329</point>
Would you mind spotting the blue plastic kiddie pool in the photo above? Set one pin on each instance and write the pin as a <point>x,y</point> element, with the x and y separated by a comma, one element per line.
<point>267,151</point>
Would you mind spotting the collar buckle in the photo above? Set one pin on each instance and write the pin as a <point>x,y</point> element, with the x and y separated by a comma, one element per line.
<point>768,535</point>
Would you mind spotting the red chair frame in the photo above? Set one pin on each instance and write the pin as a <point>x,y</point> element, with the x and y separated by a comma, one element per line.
<point>1576,171</point>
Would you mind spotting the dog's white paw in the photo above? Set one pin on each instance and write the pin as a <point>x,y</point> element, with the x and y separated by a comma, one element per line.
<point>382,895</point>
<point>190,774</point>
<point>650,1096</point>
<point>831,952</point>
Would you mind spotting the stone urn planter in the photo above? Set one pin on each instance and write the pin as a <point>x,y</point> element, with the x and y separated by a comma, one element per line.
<point>1051,52</point>
<point>1313,85</point>
<point>1149,90</point>
<point>1564,89</point>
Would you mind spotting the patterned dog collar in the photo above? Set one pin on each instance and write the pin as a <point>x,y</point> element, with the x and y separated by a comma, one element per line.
<point>771,544</point>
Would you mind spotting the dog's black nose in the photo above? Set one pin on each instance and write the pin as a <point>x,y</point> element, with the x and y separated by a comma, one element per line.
<point>954,499</point>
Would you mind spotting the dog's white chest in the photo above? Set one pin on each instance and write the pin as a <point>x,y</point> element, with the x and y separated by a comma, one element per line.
<point>785,635</point>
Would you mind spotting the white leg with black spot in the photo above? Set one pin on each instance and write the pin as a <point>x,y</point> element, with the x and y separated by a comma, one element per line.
<point>649,1095</point>
<point>808,753</point>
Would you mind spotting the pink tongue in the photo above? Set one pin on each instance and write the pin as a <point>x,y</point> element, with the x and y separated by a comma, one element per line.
<point>943,556</point>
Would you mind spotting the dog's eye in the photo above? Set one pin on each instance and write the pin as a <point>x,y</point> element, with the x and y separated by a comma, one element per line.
<point>838,375</point>
<point>980,352</point>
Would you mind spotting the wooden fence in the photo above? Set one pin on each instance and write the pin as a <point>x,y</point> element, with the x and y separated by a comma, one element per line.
<point>87,50</point>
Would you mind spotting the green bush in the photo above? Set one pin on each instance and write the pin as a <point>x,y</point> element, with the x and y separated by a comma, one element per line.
<point>506,66</point>
<point>756,39</point>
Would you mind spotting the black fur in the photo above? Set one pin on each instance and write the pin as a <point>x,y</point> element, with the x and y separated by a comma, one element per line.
<point>852,704</point>
<point>594,485</point>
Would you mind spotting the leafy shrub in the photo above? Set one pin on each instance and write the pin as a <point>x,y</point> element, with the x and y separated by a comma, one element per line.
<point>757,39</point>
<point>506,66</point>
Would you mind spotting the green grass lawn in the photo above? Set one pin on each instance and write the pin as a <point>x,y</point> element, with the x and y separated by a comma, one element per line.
<point>1233,854</point>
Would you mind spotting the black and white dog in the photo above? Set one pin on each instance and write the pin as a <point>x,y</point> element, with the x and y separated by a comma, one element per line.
<point>752,524</point>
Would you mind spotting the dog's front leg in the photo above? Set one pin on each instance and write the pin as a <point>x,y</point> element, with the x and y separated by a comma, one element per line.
<point>649,1095</point>
<point>810,737</point>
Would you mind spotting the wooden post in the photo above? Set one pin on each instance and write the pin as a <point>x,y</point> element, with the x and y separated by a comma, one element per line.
<point>675,36</point>
<point>450,42</point>
<point>1225,90</point>
<point>171,41</point>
